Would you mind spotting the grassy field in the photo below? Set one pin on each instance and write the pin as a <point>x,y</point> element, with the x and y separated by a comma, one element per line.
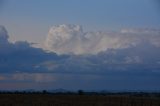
<point>75,100</point>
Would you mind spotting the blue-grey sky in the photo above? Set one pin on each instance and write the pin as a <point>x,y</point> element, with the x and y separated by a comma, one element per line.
<point>30,20</point>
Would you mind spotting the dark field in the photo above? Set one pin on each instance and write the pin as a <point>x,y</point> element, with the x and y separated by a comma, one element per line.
<point>76,100</point>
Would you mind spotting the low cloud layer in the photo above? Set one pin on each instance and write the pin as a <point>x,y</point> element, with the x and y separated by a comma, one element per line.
<point>36,77</point>
<point>71,39</point>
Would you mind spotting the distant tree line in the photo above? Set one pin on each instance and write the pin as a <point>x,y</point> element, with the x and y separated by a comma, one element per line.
<point>82,92</point>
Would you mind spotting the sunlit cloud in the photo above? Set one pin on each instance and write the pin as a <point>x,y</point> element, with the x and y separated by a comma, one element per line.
<point>71,39</point>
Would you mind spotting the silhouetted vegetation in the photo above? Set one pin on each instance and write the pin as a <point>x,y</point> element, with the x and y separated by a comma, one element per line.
<point>79,98</point>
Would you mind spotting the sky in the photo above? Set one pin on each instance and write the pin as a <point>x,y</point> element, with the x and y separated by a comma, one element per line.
<point>80,44</point>
<point>27,20</point>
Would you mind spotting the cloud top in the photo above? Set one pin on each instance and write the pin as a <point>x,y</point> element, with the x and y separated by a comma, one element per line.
<point>71,39</point>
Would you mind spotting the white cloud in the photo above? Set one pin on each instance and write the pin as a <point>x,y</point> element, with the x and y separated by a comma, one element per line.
<point>66,39</point>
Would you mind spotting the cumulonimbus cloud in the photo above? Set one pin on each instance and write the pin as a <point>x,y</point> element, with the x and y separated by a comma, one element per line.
<point>66,39</point>
<point>121,56</point>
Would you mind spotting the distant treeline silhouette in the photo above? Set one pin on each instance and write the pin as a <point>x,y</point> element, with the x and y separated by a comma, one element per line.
<point>82,92</point>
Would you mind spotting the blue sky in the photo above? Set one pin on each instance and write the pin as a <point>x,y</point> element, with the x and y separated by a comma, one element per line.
<point>91,44</point>
<point>27,20</point>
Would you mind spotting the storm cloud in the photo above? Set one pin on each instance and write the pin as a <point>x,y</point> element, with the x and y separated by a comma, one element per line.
<point>71,39</point>
<point>111,51</point>
<point>126,59</point>
<point>21,56</point>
